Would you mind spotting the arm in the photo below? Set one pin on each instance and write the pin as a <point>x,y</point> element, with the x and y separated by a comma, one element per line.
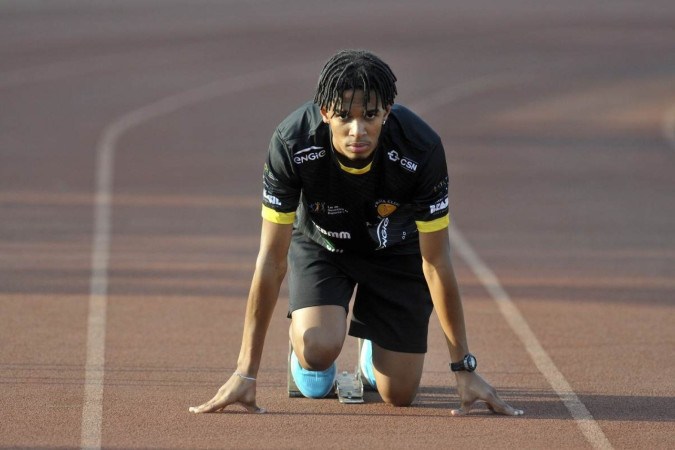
<point>270,270</point>
<point>440,276</point>
<point>269,273</point>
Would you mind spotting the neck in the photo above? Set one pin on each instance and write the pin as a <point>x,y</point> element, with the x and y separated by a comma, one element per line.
<point>354,163</point>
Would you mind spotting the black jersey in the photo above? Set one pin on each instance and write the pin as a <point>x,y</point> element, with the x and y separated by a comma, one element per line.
<point>382,207</point>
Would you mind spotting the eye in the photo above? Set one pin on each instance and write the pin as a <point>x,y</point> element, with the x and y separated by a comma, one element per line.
<point>342,114</point>
<point>371,114</point>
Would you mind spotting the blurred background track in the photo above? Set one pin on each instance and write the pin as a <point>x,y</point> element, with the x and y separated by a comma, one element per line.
<point>558,120</point>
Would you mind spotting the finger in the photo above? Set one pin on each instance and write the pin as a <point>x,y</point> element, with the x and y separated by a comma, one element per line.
<point>253,408</point>
<point>197,409</point>
<point>463,409</point>
<point>499,406</point>
<point>205,408</point>
<point>210,406</point>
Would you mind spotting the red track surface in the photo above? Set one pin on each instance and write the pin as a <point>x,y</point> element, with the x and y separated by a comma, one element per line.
<point>557,122</point>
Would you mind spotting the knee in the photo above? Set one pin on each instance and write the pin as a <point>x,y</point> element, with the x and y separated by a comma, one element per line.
<point>319,354</point>
<point>399,398</point>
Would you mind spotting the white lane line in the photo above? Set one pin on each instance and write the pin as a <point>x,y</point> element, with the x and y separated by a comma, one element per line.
<point>92,411</point>
<point>668,126</point>
<point>584,419</point>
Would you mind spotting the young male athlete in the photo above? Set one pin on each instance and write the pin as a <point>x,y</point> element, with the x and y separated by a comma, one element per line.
<point>355,195</point>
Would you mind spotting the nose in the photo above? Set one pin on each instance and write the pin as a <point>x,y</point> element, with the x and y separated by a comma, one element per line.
<point>357,128</point>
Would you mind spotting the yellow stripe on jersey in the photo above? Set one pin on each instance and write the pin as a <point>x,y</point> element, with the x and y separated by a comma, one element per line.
<point>354,171</point>
<point>433,225</point>
<point>277,217</point>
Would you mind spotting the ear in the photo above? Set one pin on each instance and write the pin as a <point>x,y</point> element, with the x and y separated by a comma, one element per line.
<point>387,110</point>
<point>324,114</point>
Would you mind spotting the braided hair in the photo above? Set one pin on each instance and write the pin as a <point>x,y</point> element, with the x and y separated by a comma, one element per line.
<point>357,70</point>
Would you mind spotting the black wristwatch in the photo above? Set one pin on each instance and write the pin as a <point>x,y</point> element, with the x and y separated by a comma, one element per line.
<point>467,363</point>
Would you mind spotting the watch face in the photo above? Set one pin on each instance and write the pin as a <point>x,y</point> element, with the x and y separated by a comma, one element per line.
<point>470,362</point>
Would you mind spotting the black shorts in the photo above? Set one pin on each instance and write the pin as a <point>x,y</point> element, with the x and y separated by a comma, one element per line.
<point>392,304</point>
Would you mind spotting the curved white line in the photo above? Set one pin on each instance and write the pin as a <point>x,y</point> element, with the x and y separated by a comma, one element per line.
<point>105,151</point>
<point>584,419</point>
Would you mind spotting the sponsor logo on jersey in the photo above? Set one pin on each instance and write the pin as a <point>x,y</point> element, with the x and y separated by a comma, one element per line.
<point>385,207</point>
<point>309,154</point>
<point>335,210</point>
<point>268,173</point>
<point>439,206</point>
<point>323,208</point>
<point>271,199</point>
<point>441,185</point>
<point>382,234</point>
<point>317,207</point>
<point>333,234</point>
<point>406,163</point>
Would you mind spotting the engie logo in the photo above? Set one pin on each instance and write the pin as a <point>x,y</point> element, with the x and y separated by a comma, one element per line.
<point>439,206</point>
<point>407,163</point>
<point>309,154</point>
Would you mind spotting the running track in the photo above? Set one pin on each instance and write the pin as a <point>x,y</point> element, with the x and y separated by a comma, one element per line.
<point>132,135</point>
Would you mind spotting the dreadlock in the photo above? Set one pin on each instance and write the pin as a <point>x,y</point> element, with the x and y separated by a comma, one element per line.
<point>358,70</point>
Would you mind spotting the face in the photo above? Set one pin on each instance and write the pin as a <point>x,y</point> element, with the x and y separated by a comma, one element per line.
<point>356,131</point>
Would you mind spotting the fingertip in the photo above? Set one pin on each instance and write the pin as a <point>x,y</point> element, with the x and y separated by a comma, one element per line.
<point>511,411</point>
<point>457,412</point>
<point>255,409</point>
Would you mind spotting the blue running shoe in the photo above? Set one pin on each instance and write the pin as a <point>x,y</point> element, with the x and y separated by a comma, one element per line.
<point>311,383</point>
<point>366,363</point>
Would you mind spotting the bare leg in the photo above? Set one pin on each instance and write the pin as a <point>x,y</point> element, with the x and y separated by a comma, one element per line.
<point>397,375</point>
<point>317,334</point>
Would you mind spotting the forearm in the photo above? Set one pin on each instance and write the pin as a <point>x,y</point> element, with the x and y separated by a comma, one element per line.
<point>262,299</point>
<point>448,305</point>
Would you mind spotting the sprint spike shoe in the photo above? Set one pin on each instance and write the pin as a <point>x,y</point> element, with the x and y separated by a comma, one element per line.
<point>311,383</point>
<point>366,364</point>
<point>293,390</point>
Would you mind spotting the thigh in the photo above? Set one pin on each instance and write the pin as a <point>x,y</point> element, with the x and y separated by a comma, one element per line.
<point>317,334</point>
<point>314,278</point>
<point>393,303</point>
<point>397,374</point>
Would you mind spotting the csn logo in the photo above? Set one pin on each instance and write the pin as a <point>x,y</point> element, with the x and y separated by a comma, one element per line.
<point>309,154</point>
<point>406,163</point>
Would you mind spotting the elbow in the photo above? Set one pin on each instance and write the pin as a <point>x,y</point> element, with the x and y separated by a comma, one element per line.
<point>430,270</point>
<point>272,265</point>
<point>427,268</point>
<point>436,268</point>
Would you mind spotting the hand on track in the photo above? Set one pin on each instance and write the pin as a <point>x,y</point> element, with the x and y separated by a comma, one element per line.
<point>471,387</point>
<point>236,390</point>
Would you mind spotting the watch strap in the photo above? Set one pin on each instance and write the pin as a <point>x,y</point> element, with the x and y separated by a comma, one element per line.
<point>457,367</point>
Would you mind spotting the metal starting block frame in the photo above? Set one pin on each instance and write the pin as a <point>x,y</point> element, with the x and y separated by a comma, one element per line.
<point>349,387</point>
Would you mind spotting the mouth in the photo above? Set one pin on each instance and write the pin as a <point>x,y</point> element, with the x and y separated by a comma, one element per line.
<point>359,147</point>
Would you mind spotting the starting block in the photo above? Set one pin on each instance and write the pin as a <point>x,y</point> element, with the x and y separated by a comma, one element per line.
<point>349,387</point>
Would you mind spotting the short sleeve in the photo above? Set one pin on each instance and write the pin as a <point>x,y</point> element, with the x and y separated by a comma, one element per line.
<point>431,194</point>
<point>281,184</point>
